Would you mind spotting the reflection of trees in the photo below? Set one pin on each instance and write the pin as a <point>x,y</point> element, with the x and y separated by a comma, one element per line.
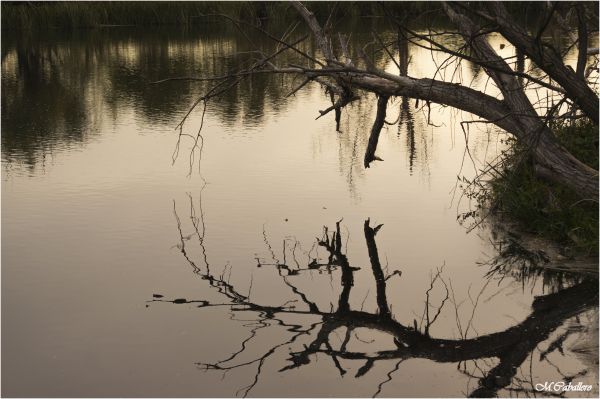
<point>212,51</point>
<point>523,264</point>
<point>57,87</point>
<point>42,99</point>
<point>406,118</point>
<point>510,347</point>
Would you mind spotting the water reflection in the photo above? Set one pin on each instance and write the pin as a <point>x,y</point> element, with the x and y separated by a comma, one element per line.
<point>68,83</point>
<point>370,338</point>
<point>76,84</point>
<point>406,118</point>
<point>63,93</point>
<point>38,78</point>
<point>513,259</point>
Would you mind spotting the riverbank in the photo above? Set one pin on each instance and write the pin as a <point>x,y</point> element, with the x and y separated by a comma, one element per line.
<point>545,208</point>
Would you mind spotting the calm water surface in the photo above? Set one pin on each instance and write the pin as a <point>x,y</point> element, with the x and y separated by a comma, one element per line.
<point>124,276</point>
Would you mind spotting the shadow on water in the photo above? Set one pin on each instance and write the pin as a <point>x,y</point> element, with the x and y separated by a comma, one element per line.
<point>572,296</point>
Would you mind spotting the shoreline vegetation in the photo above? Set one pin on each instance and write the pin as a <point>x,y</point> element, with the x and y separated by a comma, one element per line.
<point>73,15</point>
<point>514,194</point>
<point>65,15</point>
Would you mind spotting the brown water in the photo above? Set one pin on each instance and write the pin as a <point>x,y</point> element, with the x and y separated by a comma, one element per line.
<point>124,276</point>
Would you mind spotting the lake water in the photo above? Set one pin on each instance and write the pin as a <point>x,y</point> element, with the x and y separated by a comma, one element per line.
<point>124,274</point>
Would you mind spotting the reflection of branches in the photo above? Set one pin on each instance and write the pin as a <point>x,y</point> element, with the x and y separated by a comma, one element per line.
<point>378,275</point>
<point>475,303</point>
<point>260,360</point>
<point>511,347</point>
<point>428,322</point>
<point>389,378</point>
<point>557,344</point>
<point>224,83</point>
<point>405,117</point>
<point>219,283</point>
<point>513,259</point>
<point>199,226</point>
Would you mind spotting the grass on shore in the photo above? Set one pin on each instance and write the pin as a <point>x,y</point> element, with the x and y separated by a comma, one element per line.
<point>545,208</point>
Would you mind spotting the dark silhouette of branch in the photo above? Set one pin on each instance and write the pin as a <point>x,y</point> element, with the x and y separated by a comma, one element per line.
<point>511,346</point>
<point>514,113</point>
<point>376,130</point>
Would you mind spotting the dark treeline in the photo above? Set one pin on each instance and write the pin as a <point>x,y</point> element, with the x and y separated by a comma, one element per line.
<point>68,15</point>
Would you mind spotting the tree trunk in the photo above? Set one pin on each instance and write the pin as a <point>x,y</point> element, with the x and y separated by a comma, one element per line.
<point>514,113</point>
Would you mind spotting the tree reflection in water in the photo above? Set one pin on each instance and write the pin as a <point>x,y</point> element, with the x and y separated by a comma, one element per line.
<point>510,347</point>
